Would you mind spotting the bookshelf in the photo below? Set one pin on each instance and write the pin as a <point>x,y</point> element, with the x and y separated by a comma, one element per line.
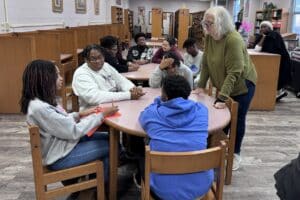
<point>128,21</point>
<point>196,30</point>
<point>278,17</point>
<point>157,22</point>
<point>181,25</point>
<point>116,15</point>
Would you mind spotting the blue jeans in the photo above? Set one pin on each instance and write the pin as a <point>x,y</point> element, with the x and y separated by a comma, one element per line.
<point>244,101</point>
<point>87,150</point>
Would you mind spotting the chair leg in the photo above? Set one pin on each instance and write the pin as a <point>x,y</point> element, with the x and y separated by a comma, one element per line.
<point>100,182</point>
<point>229,164</point>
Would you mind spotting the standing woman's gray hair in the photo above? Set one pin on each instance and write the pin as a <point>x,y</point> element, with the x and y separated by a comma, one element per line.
<point>223,22</point>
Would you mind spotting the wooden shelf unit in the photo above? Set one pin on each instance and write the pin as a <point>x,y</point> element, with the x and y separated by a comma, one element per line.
<point>196,30</point>
<point>278,17</point>
<point>128,22</point>
<point>181,26</point>
<point>157,22</point>
<point>116,15</point>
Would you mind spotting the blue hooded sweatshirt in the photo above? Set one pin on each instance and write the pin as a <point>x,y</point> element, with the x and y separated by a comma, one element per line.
<point>177,125</point>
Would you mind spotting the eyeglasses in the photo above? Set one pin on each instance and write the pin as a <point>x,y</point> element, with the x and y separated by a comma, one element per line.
<point>94,59</point>
<point>206,24</point>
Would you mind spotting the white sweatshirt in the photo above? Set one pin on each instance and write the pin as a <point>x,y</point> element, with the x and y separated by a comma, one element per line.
<point>96,87</point>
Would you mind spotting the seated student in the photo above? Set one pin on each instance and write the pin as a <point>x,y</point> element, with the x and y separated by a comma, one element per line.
<point>193,56</point>
<point>110,45</point>
<point>170,65</point>
<point>176,124</point>
<point>140,53</point>
<point>64,142</point>
<point>270,41</point>
<point>98,82</point>
<point>169,44</point>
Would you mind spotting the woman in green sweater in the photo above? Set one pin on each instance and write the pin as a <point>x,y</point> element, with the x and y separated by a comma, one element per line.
<point>227,64</point>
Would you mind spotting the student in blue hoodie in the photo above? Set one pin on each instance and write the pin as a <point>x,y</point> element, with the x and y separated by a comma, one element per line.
<point>176,124</point>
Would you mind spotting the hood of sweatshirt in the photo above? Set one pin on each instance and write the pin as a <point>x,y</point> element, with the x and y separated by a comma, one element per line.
<point>179,112</point>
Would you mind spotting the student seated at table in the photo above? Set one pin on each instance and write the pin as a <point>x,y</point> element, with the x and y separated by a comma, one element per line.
<point>168,45</point>
<point>193,58</point>
<point>176,124</point>
<point>97,82</point>
<point>64,142</point>
<point>110,45</point>
<point>140,53</point>
<point>170,65</point>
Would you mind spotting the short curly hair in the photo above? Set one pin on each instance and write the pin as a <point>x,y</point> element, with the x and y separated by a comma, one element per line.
<point>176,86</point>
<point>138,35</point>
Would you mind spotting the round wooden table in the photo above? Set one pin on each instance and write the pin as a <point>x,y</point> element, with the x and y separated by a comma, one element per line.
<point>142,74</point>
<point>128,122</point>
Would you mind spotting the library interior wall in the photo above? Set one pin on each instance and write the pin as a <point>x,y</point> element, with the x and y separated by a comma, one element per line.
<point>37,12</point>
<point>167,6</point>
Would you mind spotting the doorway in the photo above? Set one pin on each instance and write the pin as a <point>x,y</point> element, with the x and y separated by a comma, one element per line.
<point>168,20</point>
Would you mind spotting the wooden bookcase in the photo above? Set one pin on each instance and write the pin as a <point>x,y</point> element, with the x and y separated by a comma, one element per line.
<point>196,30</point>
<point>181,26</point>
<point>157,22</point>
<point>128,22</point>
<point>116,15</point>
<point>278,17</point>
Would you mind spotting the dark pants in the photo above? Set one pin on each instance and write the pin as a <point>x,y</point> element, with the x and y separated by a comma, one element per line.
<point>244,101</point>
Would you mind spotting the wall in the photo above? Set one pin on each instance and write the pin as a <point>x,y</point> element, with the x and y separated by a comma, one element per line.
<point>36,14</point>
<point>166,5</point>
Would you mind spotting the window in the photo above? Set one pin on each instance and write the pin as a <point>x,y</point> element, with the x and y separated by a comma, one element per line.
<point>236,10</point>
<point>296,17</point>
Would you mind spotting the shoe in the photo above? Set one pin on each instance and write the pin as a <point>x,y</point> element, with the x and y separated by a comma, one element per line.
<point>137,180</point>
<point>237,159</point>
<point>282,93</point>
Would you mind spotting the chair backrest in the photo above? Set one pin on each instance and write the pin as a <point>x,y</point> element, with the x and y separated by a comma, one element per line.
<point>186,162</point>
<point>43,176</point>
<point>38,171</point>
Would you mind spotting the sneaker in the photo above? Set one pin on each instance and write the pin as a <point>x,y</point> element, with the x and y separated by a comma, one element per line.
<point>137,180</point>
<point>237,159</point>
<point>282,93</point>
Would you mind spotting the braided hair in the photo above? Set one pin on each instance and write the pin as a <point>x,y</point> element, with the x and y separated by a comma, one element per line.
<point>39,81</point>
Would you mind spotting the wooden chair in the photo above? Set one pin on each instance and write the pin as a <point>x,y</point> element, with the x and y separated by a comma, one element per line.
<point>44,177</point>
<point>230,136</point>
<point>186,162</point>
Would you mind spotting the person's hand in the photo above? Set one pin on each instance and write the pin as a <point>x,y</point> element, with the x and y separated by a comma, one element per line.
<point>133,67</point>
<point>141,62</point>
<point>199,91</point>
<point>219,105</point>
<point>88,111</point>
<point>136,92</point>
<point>166,62</point>
<point>108,111</point>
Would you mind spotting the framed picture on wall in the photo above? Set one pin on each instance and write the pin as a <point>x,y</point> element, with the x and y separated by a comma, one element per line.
<point>96,6</point>
<point>118,2</point>
<point>80,6</point>
<point>57,6</point>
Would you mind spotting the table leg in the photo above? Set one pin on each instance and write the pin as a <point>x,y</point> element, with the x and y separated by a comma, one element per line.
<point>113,161</point>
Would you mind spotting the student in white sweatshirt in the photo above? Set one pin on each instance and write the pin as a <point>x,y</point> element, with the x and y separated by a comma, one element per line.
<point>97,82</point>
<point>64,142</point>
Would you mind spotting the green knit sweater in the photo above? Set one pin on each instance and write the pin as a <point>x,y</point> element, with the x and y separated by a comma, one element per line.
<point>227,63</point>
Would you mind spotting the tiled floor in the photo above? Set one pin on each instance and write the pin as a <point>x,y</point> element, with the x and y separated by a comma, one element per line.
<point>272,140</point>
